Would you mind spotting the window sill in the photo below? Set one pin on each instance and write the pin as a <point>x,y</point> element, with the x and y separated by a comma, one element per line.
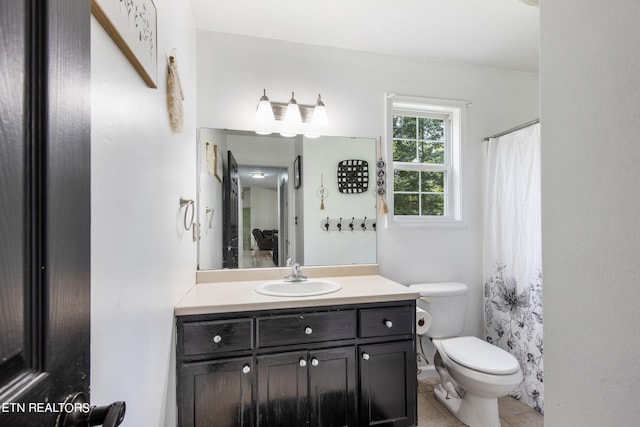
<point>392,222</point>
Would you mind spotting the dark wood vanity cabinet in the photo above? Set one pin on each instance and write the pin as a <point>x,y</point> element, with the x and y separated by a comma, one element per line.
<point>387,393</point>
<point>347,365</point>
<point>314,388</point>
<point>218,393</point>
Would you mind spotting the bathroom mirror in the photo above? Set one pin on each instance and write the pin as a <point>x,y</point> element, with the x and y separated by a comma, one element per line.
<point>267,200</point>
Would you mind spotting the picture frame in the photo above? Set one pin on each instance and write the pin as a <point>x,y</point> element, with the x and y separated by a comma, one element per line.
<point>213,160</point>
<point>297,173</point>
<point>217,163</point>
<point>132,25</point>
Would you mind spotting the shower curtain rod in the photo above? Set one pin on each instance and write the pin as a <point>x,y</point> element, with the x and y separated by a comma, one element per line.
<point>522,126</point>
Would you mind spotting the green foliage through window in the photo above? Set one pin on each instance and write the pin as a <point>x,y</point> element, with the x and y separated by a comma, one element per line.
<point>418,140</point>
<point>418,191</point>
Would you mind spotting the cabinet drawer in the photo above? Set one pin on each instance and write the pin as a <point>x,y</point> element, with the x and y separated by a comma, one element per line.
<point>217,336</point>
<point>378,322</point>
<point>306,327</point>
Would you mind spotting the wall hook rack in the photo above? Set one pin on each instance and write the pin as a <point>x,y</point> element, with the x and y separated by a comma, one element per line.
<point>354,224</point>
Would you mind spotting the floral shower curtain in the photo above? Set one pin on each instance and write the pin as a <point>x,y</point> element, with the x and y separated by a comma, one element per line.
<point>512,256</point>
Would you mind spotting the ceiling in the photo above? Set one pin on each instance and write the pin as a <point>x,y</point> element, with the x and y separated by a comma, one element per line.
<point>270,179</point>
<point>493,33</point>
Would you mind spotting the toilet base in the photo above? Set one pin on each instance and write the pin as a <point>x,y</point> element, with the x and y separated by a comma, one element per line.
<point>472,410</point>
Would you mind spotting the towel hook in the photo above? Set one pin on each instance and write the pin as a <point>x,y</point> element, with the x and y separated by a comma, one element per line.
<point>208,211</point>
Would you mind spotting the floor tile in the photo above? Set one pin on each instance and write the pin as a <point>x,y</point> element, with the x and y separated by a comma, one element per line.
<point>432,413</point>
<point>529,419</point>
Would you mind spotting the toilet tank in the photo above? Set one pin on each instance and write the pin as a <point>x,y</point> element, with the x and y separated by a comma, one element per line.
<point>446,303</point>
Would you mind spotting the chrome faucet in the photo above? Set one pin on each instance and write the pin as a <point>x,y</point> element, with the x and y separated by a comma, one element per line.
<point>296,274</point>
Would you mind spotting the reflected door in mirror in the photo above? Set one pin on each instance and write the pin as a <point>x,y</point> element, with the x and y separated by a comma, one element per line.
<point>230,214</point>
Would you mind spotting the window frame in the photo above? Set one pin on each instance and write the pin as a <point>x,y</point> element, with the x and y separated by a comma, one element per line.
<point>454,114</point>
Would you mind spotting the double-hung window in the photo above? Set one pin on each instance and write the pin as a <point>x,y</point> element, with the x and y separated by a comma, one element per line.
<point>424,150</point>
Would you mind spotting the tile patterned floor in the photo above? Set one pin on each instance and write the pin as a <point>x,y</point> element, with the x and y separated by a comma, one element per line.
<point>431,413</point>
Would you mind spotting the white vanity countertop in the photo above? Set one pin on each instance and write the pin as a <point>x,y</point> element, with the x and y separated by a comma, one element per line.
<point>225,297</point>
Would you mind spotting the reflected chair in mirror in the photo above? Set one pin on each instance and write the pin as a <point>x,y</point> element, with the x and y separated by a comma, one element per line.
<point>263,239</point>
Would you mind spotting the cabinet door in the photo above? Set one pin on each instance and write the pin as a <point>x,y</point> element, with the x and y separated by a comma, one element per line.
<point>388,384</point>
<point>282,390</point>
<point>217,394</point>
<point>333,387</point>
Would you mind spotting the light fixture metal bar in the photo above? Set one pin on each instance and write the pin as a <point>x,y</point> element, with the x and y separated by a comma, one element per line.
<point>279,109</point>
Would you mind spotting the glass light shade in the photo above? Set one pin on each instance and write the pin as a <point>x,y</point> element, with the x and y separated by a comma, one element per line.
<point>320,117</point>
<point>264,113</point>
<point>292,116</point>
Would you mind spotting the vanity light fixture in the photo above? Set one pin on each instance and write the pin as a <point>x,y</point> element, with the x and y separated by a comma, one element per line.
<point>295,118</point>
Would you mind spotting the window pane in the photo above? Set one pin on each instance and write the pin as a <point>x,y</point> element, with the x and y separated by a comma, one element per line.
<point>431,129</point>
<point>433,204</point>
<point>404,151</point>
<point>404,127</point>
<point>405,204</point>
<point>406,180</point>
<point>432,152</point>
<point>432,182</point>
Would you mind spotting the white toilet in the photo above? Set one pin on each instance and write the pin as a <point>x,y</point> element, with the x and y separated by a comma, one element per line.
<point>473,372</point>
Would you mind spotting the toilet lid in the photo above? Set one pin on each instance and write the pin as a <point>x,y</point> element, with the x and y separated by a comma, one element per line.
<point>480,356</point>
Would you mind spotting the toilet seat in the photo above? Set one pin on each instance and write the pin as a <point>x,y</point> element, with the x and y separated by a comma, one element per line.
<point>480,356</point>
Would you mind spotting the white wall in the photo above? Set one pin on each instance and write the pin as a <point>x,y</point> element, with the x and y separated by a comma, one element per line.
<point>233,70</point>
<point>590,104</point>
<point>264,208</point>
<point>142,259</point>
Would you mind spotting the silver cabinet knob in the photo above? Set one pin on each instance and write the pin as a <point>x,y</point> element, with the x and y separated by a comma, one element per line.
<point>303,363</point>
<point>246,369</point>
<point>388,324</point>
<point>315,362</point>
<point>365,356</point>
<point>217,339</point>
<point>308,330</point>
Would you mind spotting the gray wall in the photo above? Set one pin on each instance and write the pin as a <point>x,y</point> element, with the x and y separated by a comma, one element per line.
<point>590,107</point>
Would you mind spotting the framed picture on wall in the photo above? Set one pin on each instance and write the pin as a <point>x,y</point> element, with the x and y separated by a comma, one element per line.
<point>214,160</point>
<point>297,173</point>
<point>217,165</point>
<point>133,27</point>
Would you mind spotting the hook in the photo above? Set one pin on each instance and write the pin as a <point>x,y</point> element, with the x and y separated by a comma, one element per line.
<point>351,223</point>
<point>340,224</point>
<point>364,224</point>
<point>326,225</point>
<point>208,211</point>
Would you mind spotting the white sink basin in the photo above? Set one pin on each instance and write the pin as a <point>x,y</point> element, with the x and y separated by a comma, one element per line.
<point>305,288</point>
